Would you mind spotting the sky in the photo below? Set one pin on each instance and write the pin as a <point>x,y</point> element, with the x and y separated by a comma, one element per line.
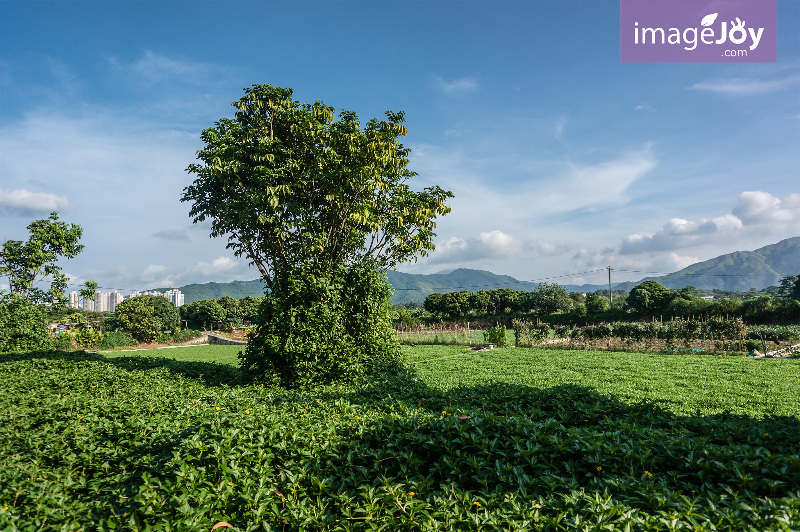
<point>562,160</point>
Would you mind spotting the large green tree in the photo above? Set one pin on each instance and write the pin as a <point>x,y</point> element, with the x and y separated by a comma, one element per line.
<point>549,298</point>
<point>790,287</point>
<point>28,263</point>
<point>650,297</point>
<point>313,202</point>
<point>147,317</point>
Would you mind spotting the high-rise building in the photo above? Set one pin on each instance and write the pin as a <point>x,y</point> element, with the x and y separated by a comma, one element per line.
<point>175,296</point>
<point>101,302</point>
<point>74,299</point>
<point>114,299</point>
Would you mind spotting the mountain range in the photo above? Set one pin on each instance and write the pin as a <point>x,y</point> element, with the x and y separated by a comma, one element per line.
<point>739,271</point>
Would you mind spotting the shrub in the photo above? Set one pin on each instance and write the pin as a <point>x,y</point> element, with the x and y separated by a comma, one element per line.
<point>114,339</point>
<point>23,325</point>
<point>496,335</point>
<point>87,338</point>
<point>317,327</point>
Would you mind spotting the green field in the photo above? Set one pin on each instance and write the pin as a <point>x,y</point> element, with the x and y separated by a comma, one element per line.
<point>512,439</point>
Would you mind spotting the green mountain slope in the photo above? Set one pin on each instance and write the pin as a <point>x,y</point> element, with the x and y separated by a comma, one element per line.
<point>738,271</point>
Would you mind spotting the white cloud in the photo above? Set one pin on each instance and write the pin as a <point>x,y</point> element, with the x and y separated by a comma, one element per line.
<point>523,192</point>
<point>753,210</point>
<point>457,86</point>
<point>679,233</point>
<point>222,269</point>
<point>158,275</point>
<point>25,202</point>
<point>547,248</point>
<point>216,267</point>
<point>154,68</point>
<point>747,87</point>
<point>583,186</point>
<point>490,244</point>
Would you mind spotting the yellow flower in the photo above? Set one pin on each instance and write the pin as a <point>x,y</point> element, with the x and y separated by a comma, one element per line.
<point>599,468</point>
<point>411,493</point>
<point>217,408</point>
<point>476,503</point>
<point>246,411</point>
<point>648,473</point>
<point>444,411</point>
<point>230,483</point>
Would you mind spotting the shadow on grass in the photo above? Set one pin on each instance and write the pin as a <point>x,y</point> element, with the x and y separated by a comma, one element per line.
<point>210,373</point>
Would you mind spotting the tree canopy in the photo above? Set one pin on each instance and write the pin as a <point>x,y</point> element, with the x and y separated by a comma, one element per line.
<point>650,296</point>
<point>147,317</point>
<point>289,185</point>
<point>27,263</point>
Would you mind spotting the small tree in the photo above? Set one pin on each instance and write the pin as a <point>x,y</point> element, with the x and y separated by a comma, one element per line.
<point>88,292</point>
<point>790,287</point>
<point>596,303</point>
<point>27,263</point>
<point>233,311</point>
<point>203,314</point>
<point>313,202</point>
<point>146,317</point>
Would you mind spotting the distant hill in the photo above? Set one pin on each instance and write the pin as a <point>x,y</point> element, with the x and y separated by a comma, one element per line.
<point>416,287</point>
<point>235,289</point>
<point>739,271</point>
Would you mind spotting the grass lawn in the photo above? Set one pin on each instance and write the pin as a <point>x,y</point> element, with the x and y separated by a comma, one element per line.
<point>514,439</point>
<point>220,354</point>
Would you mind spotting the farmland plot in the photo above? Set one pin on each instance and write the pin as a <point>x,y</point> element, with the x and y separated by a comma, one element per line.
<point>502,440</point>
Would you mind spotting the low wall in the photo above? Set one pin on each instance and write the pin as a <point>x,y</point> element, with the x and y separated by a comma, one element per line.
<point>221,340</point>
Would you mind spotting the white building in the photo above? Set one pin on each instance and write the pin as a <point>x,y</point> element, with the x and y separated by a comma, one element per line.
<point>101,302</point>
<point>114,299</point>
<point>175,296</point>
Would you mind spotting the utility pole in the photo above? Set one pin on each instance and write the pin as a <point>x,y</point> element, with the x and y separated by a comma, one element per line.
<point>610,297</point>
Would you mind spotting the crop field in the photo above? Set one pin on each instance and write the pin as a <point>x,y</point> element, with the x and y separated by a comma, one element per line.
<point>510,439</point>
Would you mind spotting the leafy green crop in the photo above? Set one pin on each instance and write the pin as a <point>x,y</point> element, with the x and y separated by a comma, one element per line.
<point>510,439</point>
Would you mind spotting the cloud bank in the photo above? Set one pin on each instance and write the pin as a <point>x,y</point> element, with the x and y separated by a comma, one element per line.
<point>753,211</point>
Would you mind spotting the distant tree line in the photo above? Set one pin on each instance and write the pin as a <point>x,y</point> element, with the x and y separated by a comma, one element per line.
<point>223,313</point>
<point>648,299</point>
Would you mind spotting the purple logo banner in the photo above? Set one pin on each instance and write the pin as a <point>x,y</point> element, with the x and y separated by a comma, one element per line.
<point>698,31</point>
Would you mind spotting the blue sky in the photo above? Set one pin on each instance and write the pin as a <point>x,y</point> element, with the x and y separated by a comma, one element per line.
<point>562,160</point>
